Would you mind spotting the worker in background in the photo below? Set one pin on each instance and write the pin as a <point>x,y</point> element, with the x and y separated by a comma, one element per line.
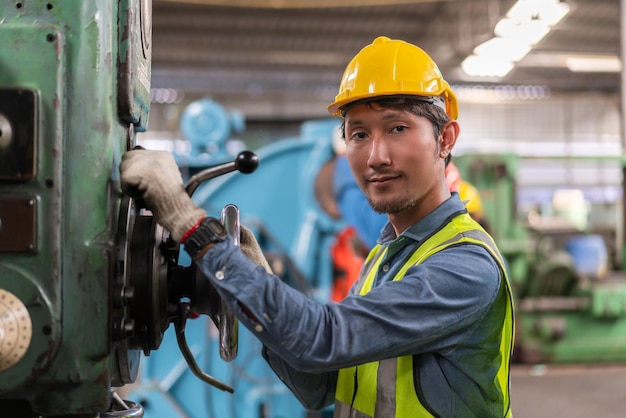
<point>428,328</point>
<point>473,203</point>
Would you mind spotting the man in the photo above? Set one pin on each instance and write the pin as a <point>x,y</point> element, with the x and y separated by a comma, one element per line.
<point>428,328</point>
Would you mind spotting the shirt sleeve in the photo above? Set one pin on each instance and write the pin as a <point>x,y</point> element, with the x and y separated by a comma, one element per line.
<point>314,390</point>
<point>434,307</point>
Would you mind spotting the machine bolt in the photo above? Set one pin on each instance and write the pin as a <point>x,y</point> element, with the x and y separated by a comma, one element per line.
<point>123,295</point>
<point>123,328</point>
<point>128,295</point>
<point>128,327</point>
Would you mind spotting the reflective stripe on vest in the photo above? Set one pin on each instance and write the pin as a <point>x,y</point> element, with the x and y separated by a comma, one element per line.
<point>386,389</point>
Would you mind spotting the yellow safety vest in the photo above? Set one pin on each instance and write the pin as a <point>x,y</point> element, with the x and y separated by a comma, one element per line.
<point>386,389</point>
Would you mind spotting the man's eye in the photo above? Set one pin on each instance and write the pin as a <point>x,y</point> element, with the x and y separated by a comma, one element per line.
<point>358,136</point>
<point>399,129</point>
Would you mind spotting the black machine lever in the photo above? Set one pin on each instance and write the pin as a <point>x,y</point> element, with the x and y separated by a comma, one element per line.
<point>245,162</point>
<point>184,309</point>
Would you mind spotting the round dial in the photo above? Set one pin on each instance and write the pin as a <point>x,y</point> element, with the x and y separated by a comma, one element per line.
<point>15,329</point>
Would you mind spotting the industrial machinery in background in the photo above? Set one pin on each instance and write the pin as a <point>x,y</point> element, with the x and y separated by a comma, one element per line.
<point>566,273</point>
<point>88,280</point>
<point>279,205</point>
<point>569,290</point>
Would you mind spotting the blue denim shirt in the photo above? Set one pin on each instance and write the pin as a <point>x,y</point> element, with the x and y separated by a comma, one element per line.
<point>442,309</point>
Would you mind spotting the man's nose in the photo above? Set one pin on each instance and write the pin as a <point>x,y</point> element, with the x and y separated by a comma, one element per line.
<point>379,153</point>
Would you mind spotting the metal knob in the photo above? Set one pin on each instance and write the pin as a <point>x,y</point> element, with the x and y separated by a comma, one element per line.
<point>246,162</point>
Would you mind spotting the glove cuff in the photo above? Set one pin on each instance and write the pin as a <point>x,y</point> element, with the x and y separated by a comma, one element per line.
<point>178,214</point>
<point>191,230</point>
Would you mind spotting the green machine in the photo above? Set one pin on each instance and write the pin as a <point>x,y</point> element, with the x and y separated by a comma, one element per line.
<point>74,87</point>
<point>88,281</point>
<point>565,313</point>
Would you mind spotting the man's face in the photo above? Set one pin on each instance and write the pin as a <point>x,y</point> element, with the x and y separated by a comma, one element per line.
<point>394,158</point>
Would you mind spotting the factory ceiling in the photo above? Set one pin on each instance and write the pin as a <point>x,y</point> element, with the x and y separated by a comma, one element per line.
<point>284,58</point>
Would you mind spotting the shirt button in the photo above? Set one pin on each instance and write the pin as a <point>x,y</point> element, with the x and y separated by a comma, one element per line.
<point>219,275</point>
<point>386,268</point>
<point>258,328</point>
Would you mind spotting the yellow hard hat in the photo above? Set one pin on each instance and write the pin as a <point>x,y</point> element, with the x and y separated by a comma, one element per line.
<point>390,67</point>
<point>469,194</point>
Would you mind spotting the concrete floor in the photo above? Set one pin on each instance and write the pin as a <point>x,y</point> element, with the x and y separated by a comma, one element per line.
<point>568,391</point>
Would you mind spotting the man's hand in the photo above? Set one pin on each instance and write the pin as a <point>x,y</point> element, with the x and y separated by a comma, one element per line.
<point>156,176</point>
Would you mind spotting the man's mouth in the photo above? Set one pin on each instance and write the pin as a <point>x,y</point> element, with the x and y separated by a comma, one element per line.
<point>381,178</point>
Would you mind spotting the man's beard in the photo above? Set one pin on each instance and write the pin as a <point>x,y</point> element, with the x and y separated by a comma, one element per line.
<point>395,206</point>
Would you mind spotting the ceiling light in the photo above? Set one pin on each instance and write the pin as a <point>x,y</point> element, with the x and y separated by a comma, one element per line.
<point>524,26</point>
<point>486,66</point>
<point>503,48</point>
<point>531,31</point>
<point>594,64</point>
<point>550,12</point>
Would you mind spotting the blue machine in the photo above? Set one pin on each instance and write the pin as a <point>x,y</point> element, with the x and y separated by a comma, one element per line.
<point>207,127</point>
<point>278,203</point>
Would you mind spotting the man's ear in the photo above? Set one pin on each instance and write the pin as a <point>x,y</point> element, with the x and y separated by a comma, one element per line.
<point>449,135</point>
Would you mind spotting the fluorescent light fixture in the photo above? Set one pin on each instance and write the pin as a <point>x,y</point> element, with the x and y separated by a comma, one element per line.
<point>524,26</point>
<point>549,12</point>
<point>503,48</point>
<point>594,64</point>
<point>530,31</point>
<point>553,15</point>
<point>484,66</point>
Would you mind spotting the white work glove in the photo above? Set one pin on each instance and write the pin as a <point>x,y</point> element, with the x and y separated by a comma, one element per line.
<point>157,177</point>
<point>250,247</point>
